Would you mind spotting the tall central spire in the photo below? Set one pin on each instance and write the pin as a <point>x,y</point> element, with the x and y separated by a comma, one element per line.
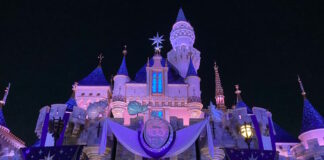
<point>181,16</point>
<point>219,92</point>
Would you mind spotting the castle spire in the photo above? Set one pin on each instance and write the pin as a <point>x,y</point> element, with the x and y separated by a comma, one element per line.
<point>2,103</point>
<point>219,93</point>
<point>191,69</point>
<point>181,16</point>
<point>96,77</point>
<point>303,93</point>
<point>311,118</point>
<point>123,68</point>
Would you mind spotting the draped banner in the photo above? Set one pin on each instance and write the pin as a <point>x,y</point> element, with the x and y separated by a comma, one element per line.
<point>129,138</point>
<point>44,130</point>
<point>52,153</point>
<point>65,120</point>
<point>257,131</point>
<point>246,154</point>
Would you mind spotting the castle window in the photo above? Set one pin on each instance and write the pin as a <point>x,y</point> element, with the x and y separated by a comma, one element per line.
<point>98,94</point>
<point>157,82</point>
<point>157,114</point>
<point>82,94</point>
<point>90,94</point>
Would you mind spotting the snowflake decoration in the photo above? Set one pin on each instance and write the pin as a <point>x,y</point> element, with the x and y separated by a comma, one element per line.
<point>49,157</point>
<point>157,41</point>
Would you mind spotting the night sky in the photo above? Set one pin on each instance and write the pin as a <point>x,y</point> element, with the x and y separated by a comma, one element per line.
<point>45,46</point>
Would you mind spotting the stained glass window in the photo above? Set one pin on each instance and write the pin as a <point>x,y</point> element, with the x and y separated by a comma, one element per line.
<point>157,114</point>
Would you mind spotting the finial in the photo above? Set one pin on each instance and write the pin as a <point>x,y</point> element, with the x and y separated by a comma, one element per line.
<point>237,89</point>
<point>74,86</point>
<point>148,62</point>
<point>215,66</point>
<point>157,41</point>
<point>125,50</point>
<point>100,57</point>
<point>301,87</point>
<point>4,99</point>
<point>238,93</point>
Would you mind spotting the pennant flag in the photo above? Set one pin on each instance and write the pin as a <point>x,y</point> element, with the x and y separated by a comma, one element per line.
<point>52,153</point>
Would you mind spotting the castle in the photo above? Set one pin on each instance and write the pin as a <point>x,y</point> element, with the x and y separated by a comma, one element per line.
<point>169,88</point>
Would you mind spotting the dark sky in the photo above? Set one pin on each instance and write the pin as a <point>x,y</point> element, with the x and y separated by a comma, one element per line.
<point>45,46</point>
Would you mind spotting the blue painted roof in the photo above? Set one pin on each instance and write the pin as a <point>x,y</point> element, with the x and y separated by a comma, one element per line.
<point>181,16</point>
<point>2,119</point>
<point>311,118</point>
<point>95,78</point>
<point>173,74</point>
<point>241,104</point>
<point>123,68</point>
<point>282,135</point>
<point>70,104</point>
<point>191,69</point>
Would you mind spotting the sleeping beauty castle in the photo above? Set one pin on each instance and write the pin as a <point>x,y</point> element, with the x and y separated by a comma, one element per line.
<point>158,114</point>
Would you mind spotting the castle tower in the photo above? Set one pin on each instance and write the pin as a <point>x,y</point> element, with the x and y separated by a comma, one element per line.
<point>92,88</point>
<point>312,124</point>
<point>193,80</point>
<point>182,38</point>
<point>219,93</point>
<point>120,80</point>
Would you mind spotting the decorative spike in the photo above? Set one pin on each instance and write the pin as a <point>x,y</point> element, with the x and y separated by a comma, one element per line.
<point>238,93</point>
<point>125,50</point>
<point>219,92</point>
<point>100,57</point>
<point>4,99</point>
<point>303,93</point>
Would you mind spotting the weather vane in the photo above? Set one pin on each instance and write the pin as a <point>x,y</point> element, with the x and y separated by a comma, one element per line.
<point>157,41</point>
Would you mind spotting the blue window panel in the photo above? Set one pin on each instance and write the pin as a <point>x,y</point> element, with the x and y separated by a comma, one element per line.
<point>154,79</point>
<point>160,82</point>
<point>157,114</point>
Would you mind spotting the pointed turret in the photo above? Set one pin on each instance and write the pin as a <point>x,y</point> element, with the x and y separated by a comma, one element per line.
<point>123,68</point>
<point>71,102</point>
<point>96,77</point>
<point>219,93</point>
<point>181,16</point>
<point>311,118</point>
<point>2,103</point>
<point>239,101</point>
<point>191,69</point>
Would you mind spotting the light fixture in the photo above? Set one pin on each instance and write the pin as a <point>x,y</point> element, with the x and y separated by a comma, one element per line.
<point>247,132</point>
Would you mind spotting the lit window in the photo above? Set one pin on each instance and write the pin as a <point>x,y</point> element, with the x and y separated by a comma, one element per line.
<point>157,82</point>
<point>157,114</point>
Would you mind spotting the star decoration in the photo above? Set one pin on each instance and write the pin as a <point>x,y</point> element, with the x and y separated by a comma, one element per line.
<point>252,157</point>
<point>157,41</point>
<point>49,157</point>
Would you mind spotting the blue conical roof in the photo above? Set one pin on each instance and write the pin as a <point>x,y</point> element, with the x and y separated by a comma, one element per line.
<point>95,78</point>
<point>181,16</point>
<point>123,68</point>
<point>282,135</point>
<point>191,69</point>
<point>241,104</point>
<point>2,119</point>
<point>70,104</point>
<point>311,118</point>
